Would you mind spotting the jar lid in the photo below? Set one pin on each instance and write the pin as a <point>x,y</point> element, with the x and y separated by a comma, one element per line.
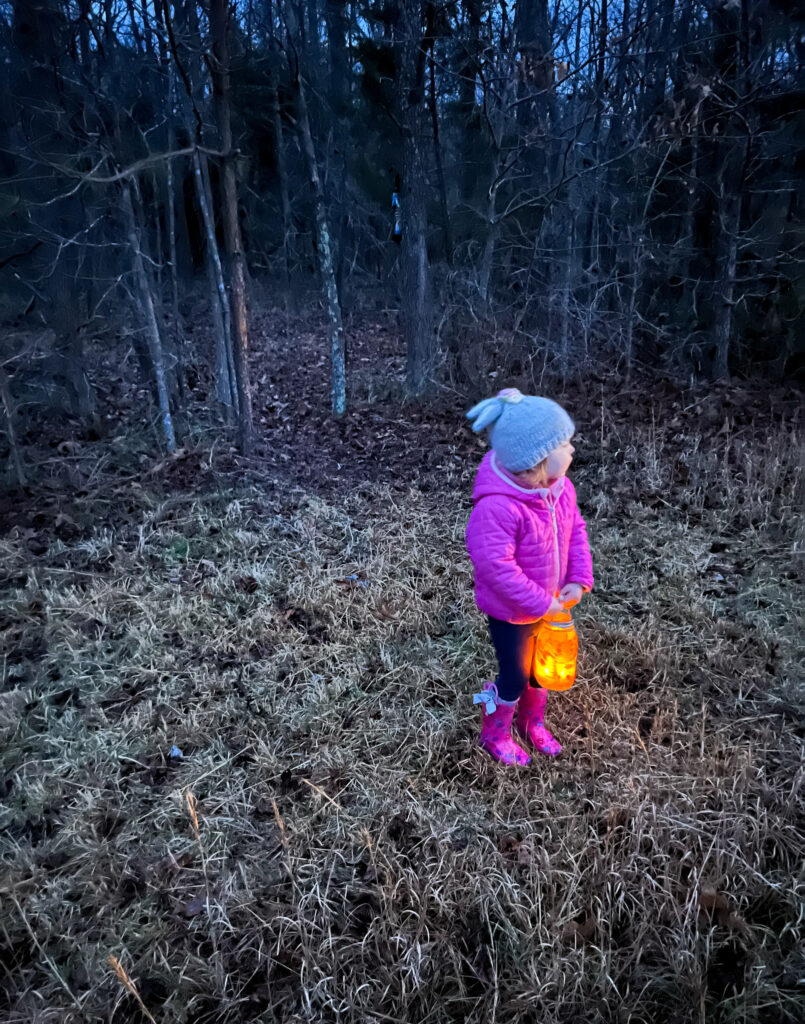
<point>560,623</point>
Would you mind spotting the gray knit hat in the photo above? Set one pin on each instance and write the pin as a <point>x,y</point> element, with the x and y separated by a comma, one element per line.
<point>523,429</point>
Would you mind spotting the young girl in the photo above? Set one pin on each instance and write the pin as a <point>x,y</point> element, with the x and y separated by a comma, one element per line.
<point>529,549</point>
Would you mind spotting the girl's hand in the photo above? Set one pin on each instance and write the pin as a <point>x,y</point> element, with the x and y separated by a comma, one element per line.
<point>556,607</point>
<point>570,594</point>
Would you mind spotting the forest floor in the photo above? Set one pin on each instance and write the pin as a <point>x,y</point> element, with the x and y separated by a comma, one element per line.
<point>238,750</point>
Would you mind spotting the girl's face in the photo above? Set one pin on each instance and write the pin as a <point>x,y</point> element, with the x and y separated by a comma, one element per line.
<point>558,461</point>
<point>554,465</point>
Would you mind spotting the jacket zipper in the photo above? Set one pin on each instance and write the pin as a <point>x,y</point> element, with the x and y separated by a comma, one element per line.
<point>551,506</point>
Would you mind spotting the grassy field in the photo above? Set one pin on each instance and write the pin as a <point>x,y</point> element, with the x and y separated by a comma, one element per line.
<point>331,845</point>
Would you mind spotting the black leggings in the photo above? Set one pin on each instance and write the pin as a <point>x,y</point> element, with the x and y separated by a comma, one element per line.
<point>514,646</point>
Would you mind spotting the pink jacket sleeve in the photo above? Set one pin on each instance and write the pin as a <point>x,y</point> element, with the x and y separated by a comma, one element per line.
<point>579,559</point>
<point>491,542</point>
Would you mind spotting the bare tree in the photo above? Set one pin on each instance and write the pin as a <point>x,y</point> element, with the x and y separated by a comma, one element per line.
<point>152,331</point>
<point>220,30</point>
<point>415,299</point>
<point>323,237</point>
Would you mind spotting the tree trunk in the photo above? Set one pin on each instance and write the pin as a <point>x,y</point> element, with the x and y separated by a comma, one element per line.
<point>223,291</point>
<point>225,384</point>
<point>83,33</point>
<point>170,189</point>
<point>636,257</point>
<point>151,325</point>
<point>535,92</point>
<point>219,27</point>
<point>311,7</point>
<point>174,277</point>
<point>159,246</point>
<point>437,147</point>
<point>569,278</point>
<point>727,252</point>
<point>415,312</point>
<point>282,175</point>
<point>11,434</point>
<point>325,253</point>
<point>335,13</point>
<point>487,256</point>
<point>724,157</point>
<point>335,184</point>
<point>468,70</point>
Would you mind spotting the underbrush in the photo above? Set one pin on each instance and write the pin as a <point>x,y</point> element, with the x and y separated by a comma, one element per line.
<point>238,755</point>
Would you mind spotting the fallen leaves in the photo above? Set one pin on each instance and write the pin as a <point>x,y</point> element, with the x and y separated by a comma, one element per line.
<point>518,848</point>
<point>718,905</point>
<point>581,929</point>
<point>384,609</point>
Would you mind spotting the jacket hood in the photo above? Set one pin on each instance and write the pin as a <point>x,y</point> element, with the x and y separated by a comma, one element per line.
<point>493,479</point>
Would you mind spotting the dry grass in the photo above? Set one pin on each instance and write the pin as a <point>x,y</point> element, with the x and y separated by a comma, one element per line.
<point>332,846</point>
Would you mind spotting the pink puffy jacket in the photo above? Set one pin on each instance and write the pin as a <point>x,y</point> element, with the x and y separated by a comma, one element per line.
<point>525,545</point>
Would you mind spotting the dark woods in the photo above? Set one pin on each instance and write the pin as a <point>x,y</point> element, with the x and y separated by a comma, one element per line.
<point>533,186</point>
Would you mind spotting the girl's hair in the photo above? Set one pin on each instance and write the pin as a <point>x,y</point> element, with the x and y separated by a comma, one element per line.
<point>540,468</point>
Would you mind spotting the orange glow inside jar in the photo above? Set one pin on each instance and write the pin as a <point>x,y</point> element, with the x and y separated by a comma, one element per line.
<point>555,653</point>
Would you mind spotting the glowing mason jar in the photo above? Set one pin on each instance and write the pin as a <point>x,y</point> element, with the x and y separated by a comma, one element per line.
<point>555,652</point>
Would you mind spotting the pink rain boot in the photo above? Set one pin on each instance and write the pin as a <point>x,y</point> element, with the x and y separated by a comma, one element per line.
<point>496,730</point>
<point>530,724</point>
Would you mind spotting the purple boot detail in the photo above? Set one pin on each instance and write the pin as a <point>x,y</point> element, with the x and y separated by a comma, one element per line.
<point>530,724</point>
<point>496,730</point>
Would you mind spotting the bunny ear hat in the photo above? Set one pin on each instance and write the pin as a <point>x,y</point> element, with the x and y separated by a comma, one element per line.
<point>523,429</point>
